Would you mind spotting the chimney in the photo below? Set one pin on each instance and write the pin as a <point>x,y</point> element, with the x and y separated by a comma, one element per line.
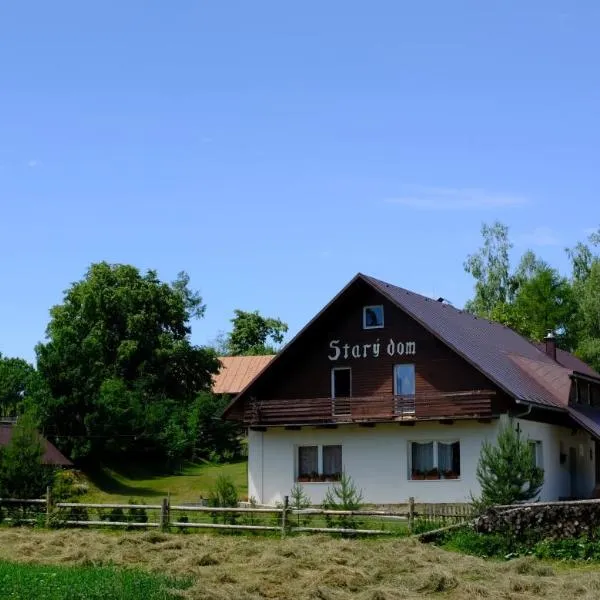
<point>551,345</point>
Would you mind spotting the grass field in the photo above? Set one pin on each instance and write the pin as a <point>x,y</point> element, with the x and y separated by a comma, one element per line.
<point>119,484</point>
<point>301,568</point>
<point>51,582</point>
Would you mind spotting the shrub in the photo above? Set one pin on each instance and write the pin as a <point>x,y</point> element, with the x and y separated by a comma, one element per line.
<point>485,545</point>
<point>568,549</point>
<point>136,514</point>
<point>224,494</point>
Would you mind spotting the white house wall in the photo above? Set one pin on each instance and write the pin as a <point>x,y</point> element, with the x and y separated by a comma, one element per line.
<point>557,477</point>
<point>377,460</point>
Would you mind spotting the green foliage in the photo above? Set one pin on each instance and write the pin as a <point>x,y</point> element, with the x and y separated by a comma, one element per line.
<point>251,333</point>
<point>507,546</point>
<point>343,495</point>
<point>506,470</point>
<point>490,268</point>
<point>568,549</point>
<point>487,545</point>
<point>51,582</point>
<point>20,385</point>
<point>22,471</point>
<point>120,366</point>
<point>299,501</point>
<point>135,514</point>
<point>213,437</point>
<point>66,487</point>
<point>588,293</point>
<point>224,494</point>
<point>534,298</point>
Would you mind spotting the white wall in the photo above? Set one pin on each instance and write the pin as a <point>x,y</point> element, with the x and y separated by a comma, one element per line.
<point>557,478</point>
<point>377,460</point>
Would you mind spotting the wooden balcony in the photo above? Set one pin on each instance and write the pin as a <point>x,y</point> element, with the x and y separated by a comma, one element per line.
<point>370,409</point>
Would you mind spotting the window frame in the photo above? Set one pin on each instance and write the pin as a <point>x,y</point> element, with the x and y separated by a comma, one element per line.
<point>321,477</point>
<point>364,315</point>
<point>399,405</point>
<point>440,476</point>
<point>538,452</point>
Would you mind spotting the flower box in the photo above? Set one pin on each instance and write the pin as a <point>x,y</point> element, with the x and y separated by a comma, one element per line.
<point>319,478</point>
<point>450,475</point>
<point>433,474</point>
<point>418,475</point>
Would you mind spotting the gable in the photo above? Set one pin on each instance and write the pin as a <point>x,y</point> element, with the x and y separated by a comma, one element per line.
<point>336,339</point>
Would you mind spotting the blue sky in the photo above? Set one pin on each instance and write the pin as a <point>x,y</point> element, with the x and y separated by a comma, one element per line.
<point>274,149</point>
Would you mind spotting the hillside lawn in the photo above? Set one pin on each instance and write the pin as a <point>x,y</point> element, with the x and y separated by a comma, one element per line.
<point>124,482</point>
<point>246,567</point>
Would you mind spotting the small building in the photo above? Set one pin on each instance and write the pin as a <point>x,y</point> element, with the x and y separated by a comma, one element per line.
<point>400,390</point>
<point>52,455</point>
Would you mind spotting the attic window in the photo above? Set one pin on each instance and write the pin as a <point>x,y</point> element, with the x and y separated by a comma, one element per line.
<point>373,317</point>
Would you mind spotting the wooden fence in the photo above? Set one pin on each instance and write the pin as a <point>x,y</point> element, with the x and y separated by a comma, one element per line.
<point>283,519</point>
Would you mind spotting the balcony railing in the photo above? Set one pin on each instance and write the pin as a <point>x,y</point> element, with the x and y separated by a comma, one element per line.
<point>389,408</point>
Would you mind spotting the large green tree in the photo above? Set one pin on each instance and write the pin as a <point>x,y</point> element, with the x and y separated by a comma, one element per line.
<point>120,366</point>
<point>253,334</point>
<point>531,299</point>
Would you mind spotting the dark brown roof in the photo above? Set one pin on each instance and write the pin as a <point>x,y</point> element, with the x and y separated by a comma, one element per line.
<point>237,372</point>
<point>512,362</point>
<point>517,365</point>
<point>52,456</point>
<point>570,361</point>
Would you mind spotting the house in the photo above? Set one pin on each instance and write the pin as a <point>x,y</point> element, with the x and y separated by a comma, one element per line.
<point>237,371</point>
<point>400,391</point>
<point>52,455</point>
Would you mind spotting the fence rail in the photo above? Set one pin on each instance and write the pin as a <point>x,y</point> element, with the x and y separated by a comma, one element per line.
<point>284,519</point>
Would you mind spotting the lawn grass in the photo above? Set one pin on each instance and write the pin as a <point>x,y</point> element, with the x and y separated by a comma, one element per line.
<point>51,582</point>
<point>124,482</point>
<point>247,567</point>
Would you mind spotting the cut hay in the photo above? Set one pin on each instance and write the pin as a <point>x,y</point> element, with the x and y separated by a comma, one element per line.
<point>304,567</point>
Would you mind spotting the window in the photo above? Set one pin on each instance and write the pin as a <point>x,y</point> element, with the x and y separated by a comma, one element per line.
<point>373,317</point>
<point>319,463</point>
<point>308,461</point>
<point>434,460</point>
<point>536,453</point>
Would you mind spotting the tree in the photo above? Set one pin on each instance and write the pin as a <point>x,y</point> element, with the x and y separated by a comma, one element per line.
<point>490,266</point>
<point>120,366</point>
<point>506,470</point>
<point>213,436</point>
<point>251,333</point>
<point>545,302</point>
<point>22,471</point>
<point>588,294</point>
<point>19,384</point>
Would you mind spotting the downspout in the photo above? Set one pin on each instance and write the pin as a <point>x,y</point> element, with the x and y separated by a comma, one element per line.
<point>526,413</point>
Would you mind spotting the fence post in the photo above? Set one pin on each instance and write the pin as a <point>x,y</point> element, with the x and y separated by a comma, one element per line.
<point>286,507</point>
<point>411,514</point>
<point>49,505</point>
<point>164,515</point>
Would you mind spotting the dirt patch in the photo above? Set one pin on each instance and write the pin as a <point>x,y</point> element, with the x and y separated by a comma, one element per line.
<point>305,568</point>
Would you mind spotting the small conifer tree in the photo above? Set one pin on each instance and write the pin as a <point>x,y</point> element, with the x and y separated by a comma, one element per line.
<point>23,473</point>
<point>506,471</point>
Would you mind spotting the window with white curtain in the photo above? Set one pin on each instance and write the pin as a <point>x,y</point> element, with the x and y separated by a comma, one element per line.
<point>319,463</point>
<point>434,459</point>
